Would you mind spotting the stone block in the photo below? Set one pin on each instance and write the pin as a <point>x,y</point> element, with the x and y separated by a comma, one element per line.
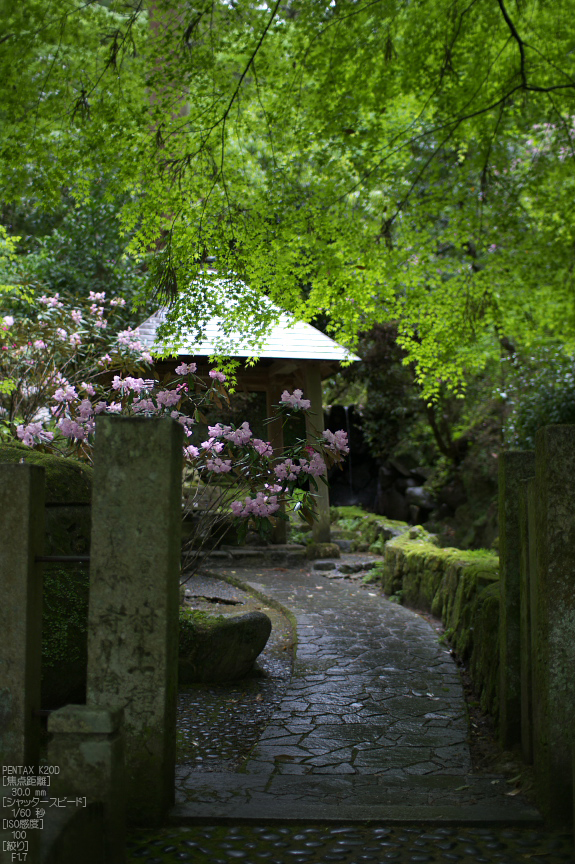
<point>87,746</point>
<point>514,466</point>
<point>322,550</point>
<point>134,598</point>
<point>553,625</point>
<point>21,540</point>
<point>527,493</point>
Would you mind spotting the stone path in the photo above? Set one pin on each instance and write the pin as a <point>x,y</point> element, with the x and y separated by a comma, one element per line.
<point>372,725</point>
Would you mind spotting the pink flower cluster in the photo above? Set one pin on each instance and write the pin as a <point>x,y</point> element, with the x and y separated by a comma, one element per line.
<point>54,302</point>
<point>7,322</point>
<point>239,436</point>
<point>295,400</point>
<point>336,440</point>
<point>217,376</point>
<point>219,466</point>
<point>262,505</point>
<point>32,433</point>
<point>288,470</point>
<point>186,369</point>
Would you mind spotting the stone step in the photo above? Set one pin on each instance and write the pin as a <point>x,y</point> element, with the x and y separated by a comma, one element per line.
<point>453,799</point>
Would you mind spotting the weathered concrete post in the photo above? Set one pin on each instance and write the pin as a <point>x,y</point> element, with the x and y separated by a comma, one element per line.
<point>528,572</point>
<point>514,466</point>
<point>134,596</point>
<point>314,427</point>
<point>87,747</point>
<point>21,540</point>
<point>554,624</point>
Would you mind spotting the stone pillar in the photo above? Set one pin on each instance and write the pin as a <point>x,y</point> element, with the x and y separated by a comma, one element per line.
<point>314,427</point>
<point>554,624</point>
<point>528,571</point>
<point>134,597</point>
<point>87,747</point>
<point>21,540</point>
<point>276,439</point>
<point>514,466</point>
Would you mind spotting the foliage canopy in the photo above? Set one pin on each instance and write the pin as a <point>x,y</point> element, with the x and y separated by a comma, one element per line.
<point>368,161</point>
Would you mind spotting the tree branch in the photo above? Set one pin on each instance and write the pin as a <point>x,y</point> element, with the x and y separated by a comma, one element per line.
<point>517,38</point>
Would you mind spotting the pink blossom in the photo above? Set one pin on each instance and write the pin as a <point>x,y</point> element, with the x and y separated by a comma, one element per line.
<point>76,316</point>
<point>39,344</point>
<point>217,376</point>
<point>213,446</point>
<point>101,323</point>
<point>53,302</point>
<point>316,466</point>
<point>8,322</point>
<point>336,440</point>
<point>263,447</point>
<point>99,407</point>
<point>71,429</point>
<point>94,295</point>
<point>262,505</point>
<point>287,470</point>
<point>28,433</point>
<point>119,301</point>
<point>75,340</point>
<point>85,411</point>
<point>61,334</point>
<point>167,398</point>
<point>65,394</point>
<point>219,466</point>
<point>114,408</point>
<point>295,400</point>
<point>144,405</point>
<point>103,361</point>
<point>147,357</point>
<point>186,368</point>
<point>88,388</point>
<point>191,452</point>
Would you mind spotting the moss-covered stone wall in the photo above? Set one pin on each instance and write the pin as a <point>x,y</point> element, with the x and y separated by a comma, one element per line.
<point>459,587</point>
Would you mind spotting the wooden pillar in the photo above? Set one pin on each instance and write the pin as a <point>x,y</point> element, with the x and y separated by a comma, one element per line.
<point>314,428</point>
<point>275,436</point>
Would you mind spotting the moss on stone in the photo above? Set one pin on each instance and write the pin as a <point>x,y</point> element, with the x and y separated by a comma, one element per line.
<point>461,588</point>
<point>67,479</point>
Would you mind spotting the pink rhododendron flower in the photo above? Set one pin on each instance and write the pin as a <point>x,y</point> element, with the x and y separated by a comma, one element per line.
<point>39,344</point>
<point>167,398</point>
<point>217,376</point>
<point>28,433</point>
<point>8,321</point>
<point>219,466</point>
<point>53,302</point>
<point>88,388</point>
<point>295,400</point>
<point>191,452</point>
<point>316,466</point>
<point>186,368</point>
<point>336,440</point>
<point>76,316</point>
<point>262,505</point>
<point>95,295</point>
<point>75,340</point>
<point>65,394</point>
<point>147,357</point>
<point>118,301</point>
<point>85,411</point>
<point>213,446</point>
<point>71,429</point>
<point>61,334</point>
<point>101,323</point>
<point>103,361</point>
<point>287,470</point>
<point>144,405</point>
<point>100,406</point>
<point>263,447</point>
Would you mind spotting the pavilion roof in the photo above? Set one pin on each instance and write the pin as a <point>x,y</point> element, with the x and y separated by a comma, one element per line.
<point>286,339</point>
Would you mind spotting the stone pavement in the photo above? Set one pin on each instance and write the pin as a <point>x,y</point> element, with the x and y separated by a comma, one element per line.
<point>372,725</point>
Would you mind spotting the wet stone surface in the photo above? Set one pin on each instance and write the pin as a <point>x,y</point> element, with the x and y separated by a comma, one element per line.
<point>321,844</point>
